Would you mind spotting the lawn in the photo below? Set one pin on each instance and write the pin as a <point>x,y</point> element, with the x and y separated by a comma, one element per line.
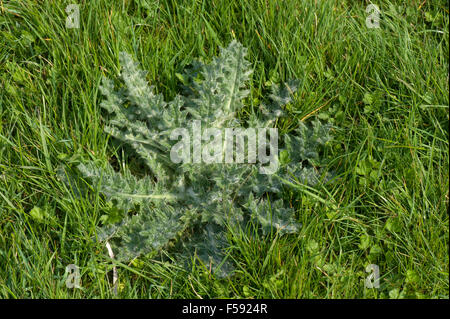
<point>385,91</point>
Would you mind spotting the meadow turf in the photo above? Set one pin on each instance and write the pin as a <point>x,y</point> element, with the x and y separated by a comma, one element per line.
<point>385,90</point>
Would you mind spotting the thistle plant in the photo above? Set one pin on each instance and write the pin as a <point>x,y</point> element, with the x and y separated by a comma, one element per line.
<point>202,200</point>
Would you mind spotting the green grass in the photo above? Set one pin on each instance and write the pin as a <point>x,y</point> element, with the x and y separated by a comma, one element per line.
<point>386,91</point>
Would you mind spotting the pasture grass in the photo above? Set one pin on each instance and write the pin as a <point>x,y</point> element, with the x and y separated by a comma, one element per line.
<point>385,90</point>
